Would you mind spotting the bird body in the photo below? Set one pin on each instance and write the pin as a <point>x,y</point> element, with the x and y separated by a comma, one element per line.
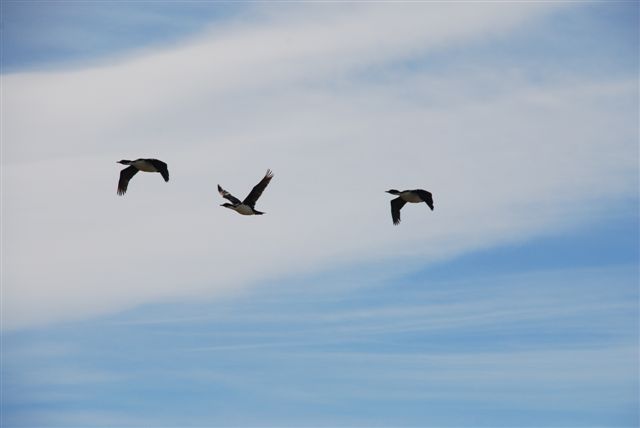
<point>246,207</point>
<point>145,165</point>
<point>242,209</point>
<point>413,196</point>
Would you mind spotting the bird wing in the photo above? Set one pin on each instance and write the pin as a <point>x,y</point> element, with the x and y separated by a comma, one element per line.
<point>396,205</point>
<point>257,190</point>
<point>161,167</point>
<point>426,196</point>
<point>125,176</point>
<point>228,196</point>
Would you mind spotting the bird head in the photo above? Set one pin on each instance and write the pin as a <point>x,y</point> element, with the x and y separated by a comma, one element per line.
<point>124,162</point>
<point>393,192</point>
<point>227,205</point>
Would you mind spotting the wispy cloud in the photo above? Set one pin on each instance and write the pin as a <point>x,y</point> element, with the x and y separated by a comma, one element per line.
<point>556,345</point>
<point>340,102</point>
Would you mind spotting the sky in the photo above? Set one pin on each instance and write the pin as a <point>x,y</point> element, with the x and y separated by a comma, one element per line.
<point>514,303</point>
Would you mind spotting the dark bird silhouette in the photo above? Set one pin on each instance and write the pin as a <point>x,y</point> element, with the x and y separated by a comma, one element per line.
<point>146,165</point>
<point>415,196</point>
<point>246,207</point>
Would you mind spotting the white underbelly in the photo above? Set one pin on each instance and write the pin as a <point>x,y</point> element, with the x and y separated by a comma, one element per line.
<point>244,210</point>
<point>145,166</point>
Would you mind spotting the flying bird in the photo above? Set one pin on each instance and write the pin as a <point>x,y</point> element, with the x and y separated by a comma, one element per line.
<point>415,196</point>
<point>146,165</point>
<point>246,207</point>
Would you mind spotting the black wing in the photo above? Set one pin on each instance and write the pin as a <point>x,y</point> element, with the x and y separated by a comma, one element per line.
<point>161,167</point>
<point>257,190</point>
<point>426,196</point>
<point>125,176</point>
<point>228,196</point>
<point>396,205</point>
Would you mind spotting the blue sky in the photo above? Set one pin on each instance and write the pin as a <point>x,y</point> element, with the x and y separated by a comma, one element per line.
<point>514,303</point>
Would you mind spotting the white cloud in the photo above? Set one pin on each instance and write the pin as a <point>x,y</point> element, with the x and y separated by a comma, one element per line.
<point>293,91</point>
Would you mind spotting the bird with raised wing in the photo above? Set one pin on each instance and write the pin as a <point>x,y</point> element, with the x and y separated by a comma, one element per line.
<point>246,207</point>
<point>414,196</point>
<point>146,165</point>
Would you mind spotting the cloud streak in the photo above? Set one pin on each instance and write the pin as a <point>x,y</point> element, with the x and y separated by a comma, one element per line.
<point>323,96</point>
<point>566,352</point>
